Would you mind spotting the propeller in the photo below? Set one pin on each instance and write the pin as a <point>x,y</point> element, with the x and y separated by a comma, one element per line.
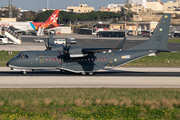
<point>49,43</point>
<point>66,48</point>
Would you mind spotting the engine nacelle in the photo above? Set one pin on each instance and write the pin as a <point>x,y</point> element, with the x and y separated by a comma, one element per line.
<point>77,52</point>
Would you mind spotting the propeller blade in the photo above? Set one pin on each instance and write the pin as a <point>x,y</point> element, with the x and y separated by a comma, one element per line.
<point>46,44</point>
<point>50,40</point>
<point>66,44</point>
<point>49,43</point>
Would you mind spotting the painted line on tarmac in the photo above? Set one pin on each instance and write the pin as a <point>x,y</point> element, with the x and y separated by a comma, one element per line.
<point>102,40</point>
<point>87,40</point>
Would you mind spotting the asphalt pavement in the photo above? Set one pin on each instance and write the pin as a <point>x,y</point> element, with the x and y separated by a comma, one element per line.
<point>83,41</point>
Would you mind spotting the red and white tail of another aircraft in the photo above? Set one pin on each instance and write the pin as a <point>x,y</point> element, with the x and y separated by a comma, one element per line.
<point>31,26</point>
<point>50,23</point>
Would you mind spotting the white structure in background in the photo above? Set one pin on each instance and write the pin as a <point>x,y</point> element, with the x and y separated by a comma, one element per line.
<point>114,6</point>
<point>63,29</point>
<point>10,35</point>
<point>43,10</point>
<point>13,38</point>
<point>142,2</point>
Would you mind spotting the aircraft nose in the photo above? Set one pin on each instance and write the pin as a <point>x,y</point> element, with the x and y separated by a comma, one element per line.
<point>7,64</point>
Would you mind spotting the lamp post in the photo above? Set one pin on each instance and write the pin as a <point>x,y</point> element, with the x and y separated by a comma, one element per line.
<point>47,4</point>
<point>10,8</point>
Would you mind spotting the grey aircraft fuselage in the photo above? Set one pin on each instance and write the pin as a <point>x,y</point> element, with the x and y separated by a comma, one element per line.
<point>57,60</point>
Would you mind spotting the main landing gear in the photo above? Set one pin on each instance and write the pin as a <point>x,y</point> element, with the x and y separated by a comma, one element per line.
<point>23,72</point>
<point>87,73</point>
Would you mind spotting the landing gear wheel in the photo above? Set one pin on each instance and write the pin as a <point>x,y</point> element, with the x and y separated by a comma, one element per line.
<point>83,73</point>
<point>24,72</point>
<point>90,73</point>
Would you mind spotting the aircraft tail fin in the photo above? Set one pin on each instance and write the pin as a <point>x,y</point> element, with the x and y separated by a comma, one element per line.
<point>54,17</point>
<point>159,39</point>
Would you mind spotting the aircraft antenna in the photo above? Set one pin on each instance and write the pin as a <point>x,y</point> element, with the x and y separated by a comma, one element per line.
<point>10,8</point>
<point>47,4</point>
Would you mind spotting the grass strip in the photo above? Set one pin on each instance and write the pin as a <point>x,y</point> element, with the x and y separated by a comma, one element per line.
<point>90,103</point>
<point>5,57</point>
<point>167,59</point>
<point>174,40</point>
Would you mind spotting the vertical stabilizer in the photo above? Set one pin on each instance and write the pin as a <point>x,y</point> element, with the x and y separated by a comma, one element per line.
<point>159,39</point>
<point>54,17</point>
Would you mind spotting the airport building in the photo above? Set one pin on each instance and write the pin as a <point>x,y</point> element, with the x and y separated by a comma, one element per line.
<point>83,8</point>
<point>8,19</point>
<point>127,25</point>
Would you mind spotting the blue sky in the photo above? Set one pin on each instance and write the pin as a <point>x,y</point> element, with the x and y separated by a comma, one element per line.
<point>59,4</point>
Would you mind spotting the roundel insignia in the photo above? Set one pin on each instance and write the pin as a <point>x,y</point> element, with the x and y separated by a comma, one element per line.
<point>115,59</point>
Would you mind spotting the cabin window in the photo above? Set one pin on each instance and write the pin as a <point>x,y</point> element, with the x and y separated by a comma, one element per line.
<point>92,59</point>
<point>105,59</point>
<point>57,59</point>
<point>54,59</point>
<point>50,59</point>
<point>47,59</point>
<point>102,59</point>
<point>99,59</point>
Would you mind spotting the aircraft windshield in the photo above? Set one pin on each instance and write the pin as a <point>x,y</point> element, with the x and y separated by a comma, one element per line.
<point>21,56</point>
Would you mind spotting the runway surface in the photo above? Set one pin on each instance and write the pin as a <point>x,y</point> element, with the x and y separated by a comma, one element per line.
<point>122,77</point>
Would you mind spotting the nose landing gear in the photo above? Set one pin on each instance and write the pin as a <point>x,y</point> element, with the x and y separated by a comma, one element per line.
<point>87,73</point>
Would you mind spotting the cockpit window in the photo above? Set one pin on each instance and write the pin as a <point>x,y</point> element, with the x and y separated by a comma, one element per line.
<point>21,56</point>
<point>24,56</point>
<point>17,56</point>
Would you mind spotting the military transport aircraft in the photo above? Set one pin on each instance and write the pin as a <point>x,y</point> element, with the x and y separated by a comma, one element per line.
<point>89,60</point>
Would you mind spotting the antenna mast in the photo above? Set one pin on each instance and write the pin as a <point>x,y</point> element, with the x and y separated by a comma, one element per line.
<point>10,8</point>
<point>47,4</point>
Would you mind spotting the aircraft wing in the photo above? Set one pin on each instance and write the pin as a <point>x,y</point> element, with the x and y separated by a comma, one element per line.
<point>91,50</point>
<point>118,47</point>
